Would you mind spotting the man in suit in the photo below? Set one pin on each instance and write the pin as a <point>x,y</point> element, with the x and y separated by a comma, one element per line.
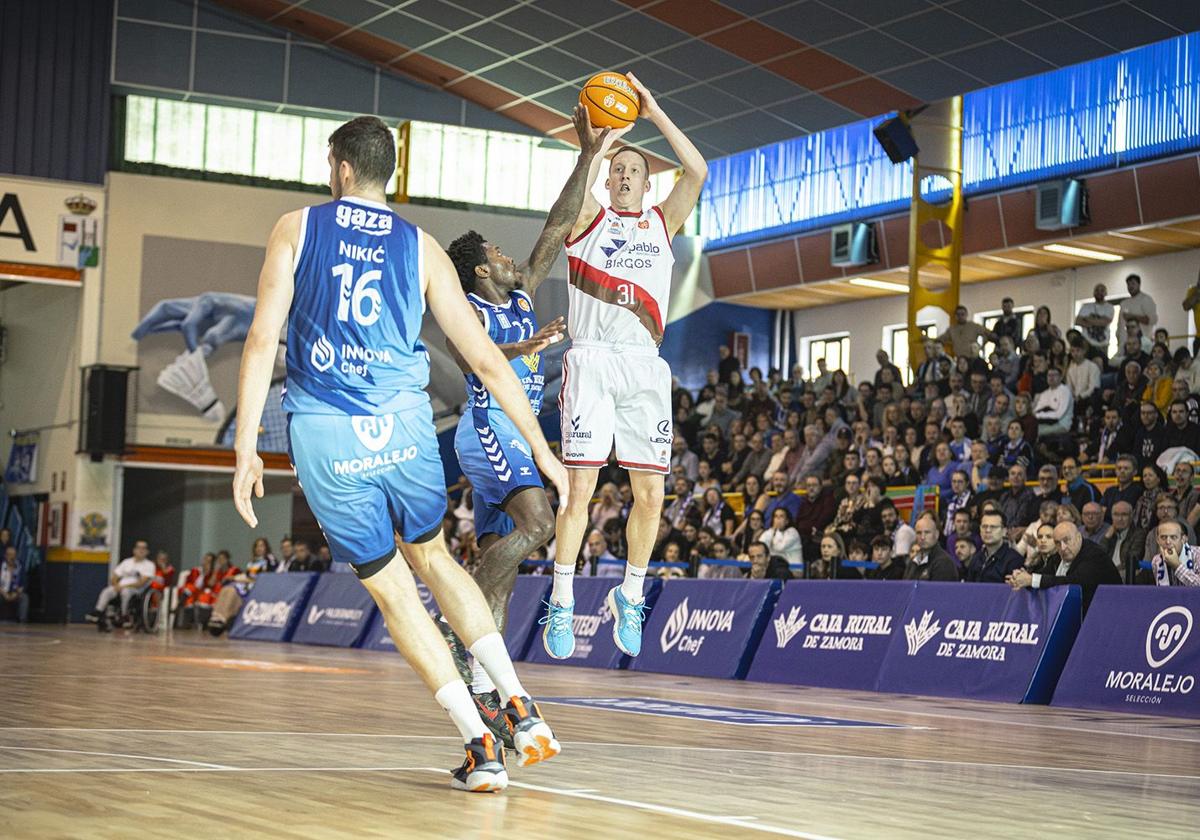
<point>929,561</point>
<point>1123,544</point>
<point>1081,562</point>
<point>996,560</point>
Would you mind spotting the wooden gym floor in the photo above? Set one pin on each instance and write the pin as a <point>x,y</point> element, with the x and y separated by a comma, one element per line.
<point>184,736</point>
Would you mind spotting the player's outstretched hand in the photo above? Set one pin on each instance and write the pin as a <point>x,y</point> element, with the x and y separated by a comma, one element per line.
<point>647,107</point>
<point>591,138</point>
<point>551,333</point>
<point>553,469</point>
<point>247,477</point>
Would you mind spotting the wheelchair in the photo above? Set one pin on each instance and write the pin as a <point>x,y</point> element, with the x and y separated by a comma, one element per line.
<point>144,610</point>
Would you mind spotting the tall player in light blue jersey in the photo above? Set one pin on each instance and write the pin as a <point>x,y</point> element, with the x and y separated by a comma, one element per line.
<point>512,514</point>
<point>352,280</point>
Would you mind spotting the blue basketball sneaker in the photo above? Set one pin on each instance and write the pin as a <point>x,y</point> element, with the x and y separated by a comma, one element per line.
<point>559,636</point>
<point>627,621</point>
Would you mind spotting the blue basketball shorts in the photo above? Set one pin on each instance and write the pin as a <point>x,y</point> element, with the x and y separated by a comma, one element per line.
<point>498,462</point>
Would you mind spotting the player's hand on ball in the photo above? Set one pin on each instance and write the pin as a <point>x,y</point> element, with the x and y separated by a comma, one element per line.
<point>591,138</point>
<point>247,477</point>
<point>647,107</point>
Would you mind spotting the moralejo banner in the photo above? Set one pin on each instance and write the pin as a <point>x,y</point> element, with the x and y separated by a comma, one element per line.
<point>274,607</point>
<point>830,633</point>
<point>982,641</point>
<point>594,645</point>
<point>706,628</point>
<point>1138,651</point>
<point>338,613</point>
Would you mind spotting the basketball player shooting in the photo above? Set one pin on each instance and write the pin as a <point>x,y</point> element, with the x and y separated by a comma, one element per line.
<point>512,514</point>
<point>352,279</point>
<point>615,386</point>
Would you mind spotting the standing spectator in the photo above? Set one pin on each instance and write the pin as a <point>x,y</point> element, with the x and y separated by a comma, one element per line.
<point>1124,544</point>
<point>964,334</point>
<point>885,363</point>
<point>1044,329</point>
<point>1191,301</point>
<point>1008,324</point>
<point>996,559</point>
<point>929,561</point>
<point>728,363</point>
<point>1177,563</point>
<point>1138,312</point>
<point>1094,527</point>
<point>1125,490</point>
<point>130,575</point>
<point>782,538</point>
<point>1095,317</point>
<point>14,603</point>
<point>1080,562</point>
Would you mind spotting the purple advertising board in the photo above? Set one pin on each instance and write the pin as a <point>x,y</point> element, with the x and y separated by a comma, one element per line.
<point>338,613</point>
<point>705,628</point>
<point>524,609</point>
<point>830,633</point>
<point>274,607</point>
<point>594,645</point>
<point>982,641</point>
<point>1138,651</point>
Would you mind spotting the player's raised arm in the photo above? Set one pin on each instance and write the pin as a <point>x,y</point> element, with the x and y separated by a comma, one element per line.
<point>594,143</point>
<point>453,314</point>
<point>275,287</point>
<point>591,207</point>
<point>686,192</point>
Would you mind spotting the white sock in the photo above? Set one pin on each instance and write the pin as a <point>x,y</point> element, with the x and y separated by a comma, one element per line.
<point>631,587</point>
<point>563,592</point>
<point>481,683</point>
<point>491,653</point>
<point>456,700</point>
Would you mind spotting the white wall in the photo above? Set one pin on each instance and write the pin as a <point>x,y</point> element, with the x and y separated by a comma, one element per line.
<point>1165,278</point>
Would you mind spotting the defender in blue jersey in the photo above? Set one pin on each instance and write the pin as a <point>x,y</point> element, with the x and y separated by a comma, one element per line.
<point>512,514</point>
<point>352,280</point>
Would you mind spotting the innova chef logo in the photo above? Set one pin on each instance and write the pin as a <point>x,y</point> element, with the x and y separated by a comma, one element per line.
<point>322,355</point>
<point>373,432</point>
<point>1167,634</point>
<point>682,620</point>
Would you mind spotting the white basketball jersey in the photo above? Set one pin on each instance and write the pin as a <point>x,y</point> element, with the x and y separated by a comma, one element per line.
<point>620,279</point>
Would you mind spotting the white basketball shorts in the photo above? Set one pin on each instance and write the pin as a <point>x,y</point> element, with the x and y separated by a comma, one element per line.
<point>613,393</point>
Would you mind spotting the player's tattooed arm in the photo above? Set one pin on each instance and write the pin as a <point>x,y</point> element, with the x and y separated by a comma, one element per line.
<point>551,333</point>
<point>593,143</point>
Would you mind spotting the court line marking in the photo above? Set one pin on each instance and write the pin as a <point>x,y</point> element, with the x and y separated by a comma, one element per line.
<point>843,756</point>
<point>215,769</point>
<point>201,764</point>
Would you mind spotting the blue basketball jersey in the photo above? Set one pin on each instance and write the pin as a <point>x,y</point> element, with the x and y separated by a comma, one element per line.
<point>508,323</point>
<point>353,334</point>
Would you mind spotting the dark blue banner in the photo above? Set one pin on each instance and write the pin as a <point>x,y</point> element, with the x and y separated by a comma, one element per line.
<point>377,636</point>
<point>274,606</point>
<point>706,628</point>
<point>338,613</point>
<point>525,607</point>
<point>982,641</point>
<point>594,645</point>
<point>1138,651</point>
<point>830,633</point>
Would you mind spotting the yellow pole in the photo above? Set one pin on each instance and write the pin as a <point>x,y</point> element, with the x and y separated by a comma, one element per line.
<point>403,147</point>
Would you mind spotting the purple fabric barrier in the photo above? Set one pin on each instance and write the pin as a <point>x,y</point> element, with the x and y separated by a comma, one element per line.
<point>274,607</point>
<point>982,641</point>
<point>594,645</point>
<point>705,628</point>
<point>524,609</point>
<point>1138,651</point>
<point>338,613</point>
<point>830,633</point>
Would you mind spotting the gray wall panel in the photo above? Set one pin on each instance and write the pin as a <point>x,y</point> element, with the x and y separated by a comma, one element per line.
<point>320,78</point>
<point>157,56</point>
<point>250,69</point>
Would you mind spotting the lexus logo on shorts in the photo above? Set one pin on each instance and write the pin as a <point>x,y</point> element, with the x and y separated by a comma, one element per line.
<point>374,432</point>
<point>322,355</point>
<point>664,427</point>
<point>1167,634</point>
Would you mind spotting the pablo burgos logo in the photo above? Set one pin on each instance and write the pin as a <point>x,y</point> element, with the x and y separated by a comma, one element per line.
<point>364,220</point>
<point>355,360</point>
<point>831,631</point>
<point>375,433</point>
<point>1168,632</point>
<point>637,255</point>
<point>334,615</point>
<point>682,620</point>
<point>266,613</point>
<point>971,639</point>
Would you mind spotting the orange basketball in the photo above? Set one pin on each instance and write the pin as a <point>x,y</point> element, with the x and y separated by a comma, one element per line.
<point>610,99</point>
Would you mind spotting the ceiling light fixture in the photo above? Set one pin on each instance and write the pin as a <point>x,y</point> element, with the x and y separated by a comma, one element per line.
<point>1086,253</point>
<point>872,283</point>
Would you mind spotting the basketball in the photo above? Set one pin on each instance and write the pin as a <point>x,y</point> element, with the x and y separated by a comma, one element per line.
<point>610,99</point>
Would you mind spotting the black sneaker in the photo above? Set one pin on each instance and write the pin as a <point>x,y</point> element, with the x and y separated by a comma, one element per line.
<point>216,628</point>
<point>492,715</point>
<point>531,735</point>
<point>457,649</point>
<point>483,771</point>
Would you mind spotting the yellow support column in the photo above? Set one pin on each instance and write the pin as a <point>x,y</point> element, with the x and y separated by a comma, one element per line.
<point>935,230</point>
<point>403,146</point>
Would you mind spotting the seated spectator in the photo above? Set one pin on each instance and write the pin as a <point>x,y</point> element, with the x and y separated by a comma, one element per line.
<point>1181,430</point>
<point>606,507</point>
<point>234,589</point>
<point>843,520</point>
<point>603,562</point>
<point>1047,515</point>
<point>1094,527</point>
<point>756,461</point>
<point>929,561</point>
<point>899,533</point>
<point>816,509</point>
<point>782,538</point>
<point>1176,563</point>
<point>1109,438</point>
<point>759,557</point>
<point>1185,494</point>
<point>129,577</point>
<point>1023,413</point>
<point>707,478</point>
<point>719,551</point>
<point>995,560</point>
<point>888,567</point>
<point>701,547</point>
<point>778,496</point>
<point>1125,490</point>
<point>941,474</point>
<point>1166,509</point>
<point>683,457</point>
<point>1123,543</point>
<point>685,507</point>
<point>1154,484</point>
<point>1150,436</point>
<point>303,560</point>
<point>14,602</point>
<point>960,531</point>
<point>1019,504</point>
<point>778,569</point>
<point>1017,450</point>
<point>748,532</point>
<point>1079,562</point>
<point>717,514</point>
<point>959,499</point>
<point>904,474</point>
<point>1047,479</point>
<point>751,491</point>
<point>1045,554</point>
<point>1083,375</point>
<point>1076,489</point>
<point>1158,386</point>
<point>164,572</point>
<point>287,550</point>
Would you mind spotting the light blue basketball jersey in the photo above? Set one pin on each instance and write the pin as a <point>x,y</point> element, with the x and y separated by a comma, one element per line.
<point>508,323</point>
<point>353,344</point>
